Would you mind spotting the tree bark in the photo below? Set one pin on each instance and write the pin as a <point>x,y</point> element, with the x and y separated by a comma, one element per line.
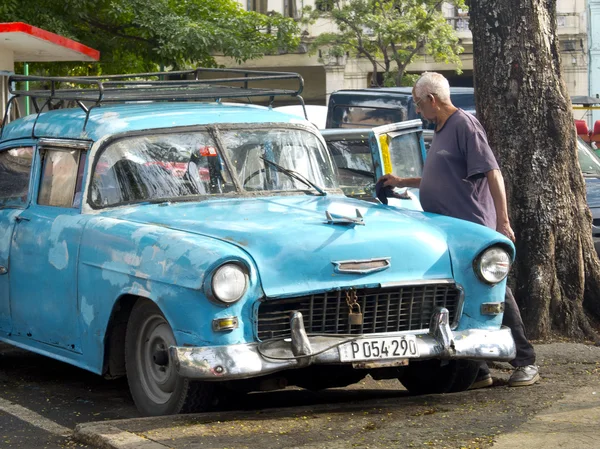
<point>524,106</point>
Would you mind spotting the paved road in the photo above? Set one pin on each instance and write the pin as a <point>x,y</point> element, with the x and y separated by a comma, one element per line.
<point>42,400</point>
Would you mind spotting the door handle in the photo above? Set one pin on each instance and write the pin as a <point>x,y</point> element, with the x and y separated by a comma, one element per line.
<point>19,219</point>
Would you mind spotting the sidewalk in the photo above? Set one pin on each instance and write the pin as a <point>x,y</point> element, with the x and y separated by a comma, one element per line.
<point>562,411</point>
<point>571,423</point>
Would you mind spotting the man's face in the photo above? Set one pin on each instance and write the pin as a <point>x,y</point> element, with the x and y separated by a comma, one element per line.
<point>424,105</point>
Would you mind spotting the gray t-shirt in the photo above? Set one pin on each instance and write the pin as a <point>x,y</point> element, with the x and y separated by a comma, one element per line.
<point>453,181</point>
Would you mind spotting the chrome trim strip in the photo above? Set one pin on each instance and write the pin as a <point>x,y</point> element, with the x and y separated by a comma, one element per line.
<point>65,143</point>
<point>338,269</point>
<point>417,282</point>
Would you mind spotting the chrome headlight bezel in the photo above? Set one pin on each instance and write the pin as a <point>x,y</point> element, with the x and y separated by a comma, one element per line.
<point>228,283</point>
<point>493,264</point>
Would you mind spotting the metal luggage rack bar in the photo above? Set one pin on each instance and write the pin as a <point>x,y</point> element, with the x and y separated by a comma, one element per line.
<point>197,84</point>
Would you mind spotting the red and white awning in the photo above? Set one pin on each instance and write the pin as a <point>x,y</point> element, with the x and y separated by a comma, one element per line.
<point>31,44</point>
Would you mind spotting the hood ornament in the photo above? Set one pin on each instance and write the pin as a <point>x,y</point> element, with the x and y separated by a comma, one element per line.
<point>364,266</point>
<point>345,221</point>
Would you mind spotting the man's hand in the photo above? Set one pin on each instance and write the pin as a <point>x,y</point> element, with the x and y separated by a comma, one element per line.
<point>391,181</point>
<point>505,229</point>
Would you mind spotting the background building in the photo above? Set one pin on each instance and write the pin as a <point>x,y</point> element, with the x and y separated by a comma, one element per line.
<point>594,54</point>
<point>326,76</point>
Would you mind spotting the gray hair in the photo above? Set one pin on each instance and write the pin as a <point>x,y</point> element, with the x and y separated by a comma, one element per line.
<point>433,83</point>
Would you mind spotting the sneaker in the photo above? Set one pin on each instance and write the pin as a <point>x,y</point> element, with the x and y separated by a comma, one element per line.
<point>483,381</point>
<point>523,376</point>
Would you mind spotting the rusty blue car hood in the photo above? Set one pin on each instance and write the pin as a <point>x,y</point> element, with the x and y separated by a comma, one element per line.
<point>294,248</point>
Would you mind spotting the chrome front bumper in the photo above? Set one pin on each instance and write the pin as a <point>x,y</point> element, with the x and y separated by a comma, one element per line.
<point>254,359</point>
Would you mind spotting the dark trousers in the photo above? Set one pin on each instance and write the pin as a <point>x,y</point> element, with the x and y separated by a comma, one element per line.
<point>512,319</point>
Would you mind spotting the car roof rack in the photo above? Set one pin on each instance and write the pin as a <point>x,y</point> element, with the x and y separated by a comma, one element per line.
<point>201,83</point>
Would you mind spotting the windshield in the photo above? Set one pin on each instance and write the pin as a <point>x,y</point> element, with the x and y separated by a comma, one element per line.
<point>182,166</point>
<point>293,149</point>
<point>588,161</point>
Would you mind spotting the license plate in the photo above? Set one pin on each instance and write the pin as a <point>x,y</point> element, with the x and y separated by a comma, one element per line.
<point>379,348</point>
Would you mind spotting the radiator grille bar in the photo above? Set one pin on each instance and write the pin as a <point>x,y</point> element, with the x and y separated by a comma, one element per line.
<point>390,309</point>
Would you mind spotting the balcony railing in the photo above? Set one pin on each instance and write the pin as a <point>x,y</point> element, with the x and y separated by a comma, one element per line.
<point>459,23</point>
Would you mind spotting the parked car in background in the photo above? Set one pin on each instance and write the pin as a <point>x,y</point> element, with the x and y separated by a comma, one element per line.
<point>362,155</point>
<point>590,167</point>
<point>195,246</point>
<point>357,108</point>
<point>315,114</point>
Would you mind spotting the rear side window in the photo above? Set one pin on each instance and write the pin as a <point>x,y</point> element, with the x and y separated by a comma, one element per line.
<point>15,169</point>
<point>59,178</point>
<point>360,116</point>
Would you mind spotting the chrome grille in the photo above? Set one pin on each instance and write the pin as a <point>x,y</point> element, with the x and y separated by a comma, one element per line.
<point>392,309</point>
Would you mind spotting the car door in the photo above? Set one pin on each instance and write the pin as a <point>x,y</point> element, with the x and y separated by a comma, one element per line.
<point>44,251</point>
<point>399,149</point>
<point>363,155</point>
<point>15,174</point>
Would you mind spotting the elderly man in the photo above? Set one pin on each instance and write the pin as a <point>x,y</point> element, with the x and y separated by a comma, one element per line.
<point>461,179</point>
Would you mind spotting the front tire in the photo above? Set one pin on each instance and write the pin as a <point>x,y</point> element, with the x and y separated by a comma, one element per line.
<point>431,377</point>
<point>156,387</point>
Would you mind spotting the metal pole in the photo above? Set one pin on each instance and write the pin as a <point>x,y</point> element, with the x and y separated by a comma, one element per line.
<point>26,72</point>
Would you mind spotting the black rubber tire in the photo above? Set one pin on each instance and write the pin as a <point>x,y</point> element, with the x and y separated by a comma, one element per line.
<point>430,376</point>
<point>158,389</point>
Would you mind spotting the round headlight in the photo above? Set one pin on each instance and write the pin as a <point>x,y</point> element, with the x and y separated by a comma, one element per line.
<point>494,265</point>
<point>229,283</point>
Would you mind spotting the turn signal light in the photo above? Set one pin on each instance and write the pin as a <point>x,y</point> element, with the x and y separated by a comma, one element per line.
<point>492,308</point>
<point>225,324</point>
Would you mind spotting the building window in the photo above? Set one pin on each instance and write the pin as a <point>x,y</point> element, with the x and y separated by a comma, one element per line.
<point>289,8</point>
<point>324,5</point>
<point>258,6</point>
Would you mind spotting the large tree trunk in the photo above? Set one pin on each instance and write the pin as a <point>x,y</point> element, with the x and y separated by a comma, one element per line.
<point>525,108</point>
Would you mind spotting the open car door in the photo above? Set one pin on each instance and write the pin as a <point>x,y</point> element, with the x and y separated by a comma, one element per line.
<point>363,155</point>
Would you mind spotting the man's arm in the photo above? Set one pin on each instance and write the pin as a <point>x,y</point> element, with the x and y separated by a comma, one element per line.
<point>496,183</point>
<point>396,181</point>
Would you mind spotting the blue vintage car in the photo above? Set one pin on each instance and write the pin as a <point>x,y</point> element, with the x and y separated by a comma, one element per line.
<point>200,246</point>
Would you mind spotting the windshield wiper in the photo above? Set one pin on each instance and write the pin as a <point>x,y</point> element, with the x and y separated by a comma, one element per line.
<point>294,174</point>
<point>359,171</point>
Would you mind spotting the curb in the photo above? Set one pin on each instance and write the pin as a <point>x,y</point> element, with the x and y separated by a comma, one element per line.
<point>106,436</point>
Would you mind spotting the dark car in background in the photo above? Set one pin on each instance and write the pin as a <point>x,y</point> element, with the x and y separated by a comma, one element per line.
<point>356,108</point>
<point>590,167</point>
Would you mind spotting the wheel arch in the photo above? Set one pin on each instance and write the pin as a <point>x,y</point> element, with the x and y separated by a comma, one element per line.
<point>114,343</point>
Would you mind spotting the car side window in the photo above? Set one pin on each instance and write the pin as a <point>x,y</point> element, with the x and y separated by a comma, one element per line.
<point>361,116</point>
<point>405,154</point>
<point>60,172</point>
<point>15,170</point>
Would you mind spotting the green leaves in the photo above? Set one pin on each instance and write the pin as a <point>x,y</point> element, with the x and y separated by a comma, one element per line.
<point>390,33</point>
<point>137,35</point>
